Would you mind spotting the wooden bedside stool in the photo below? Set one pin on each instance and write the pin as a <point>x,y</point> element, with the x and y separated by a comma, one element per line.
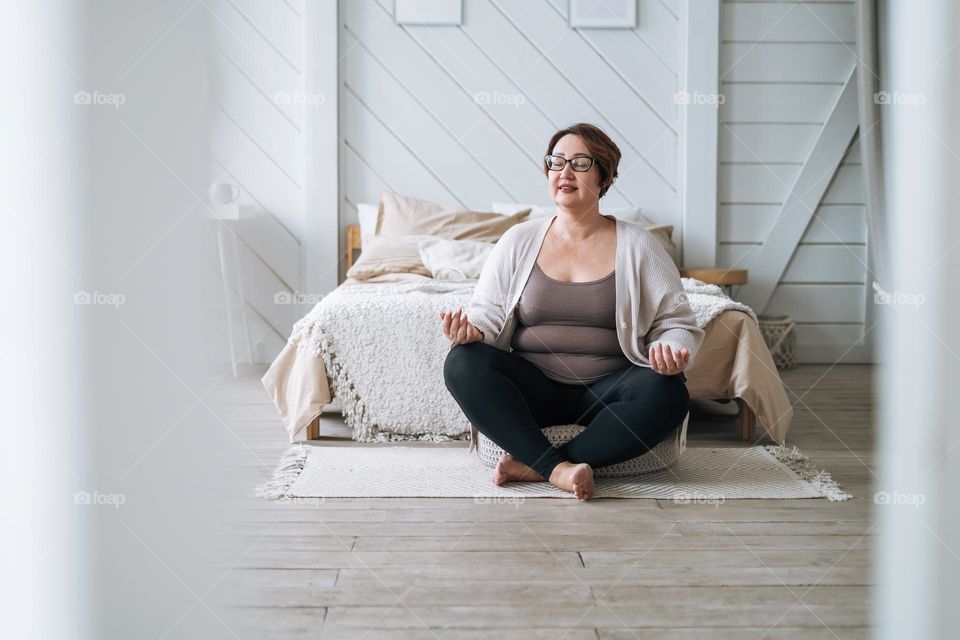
<point>724,278</point>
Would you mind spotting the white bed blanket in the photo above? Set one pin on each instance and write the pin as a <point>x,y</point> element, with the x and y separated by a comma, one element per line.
<point>384,350</point>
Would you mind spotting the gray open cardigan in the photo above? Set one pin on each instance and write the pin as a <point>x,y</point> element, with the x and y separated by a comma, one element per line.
<point>651,303</point>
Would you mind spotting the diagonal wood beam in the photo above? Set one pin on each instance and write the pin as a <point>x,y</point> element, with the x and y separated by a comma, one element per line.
<point>803,199</point>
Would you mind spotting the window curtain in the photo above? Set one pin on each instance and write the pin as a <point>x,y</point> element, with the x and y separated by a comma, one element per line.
<point>869,29</point>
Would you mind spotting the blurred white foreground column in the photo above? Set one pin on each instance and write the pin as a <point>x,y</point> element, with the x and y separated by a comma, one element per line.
<point>43,538</point>
<point>110,437</point>
<point>916,505</point>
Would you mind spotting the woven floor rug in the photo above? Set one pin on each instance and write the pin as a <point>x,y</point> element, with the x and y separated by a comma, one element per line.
<point>392,471</point>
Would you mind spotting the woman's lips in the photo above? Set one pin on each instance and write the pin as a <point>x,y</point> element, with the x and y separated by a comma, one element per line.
<point>568,189</point>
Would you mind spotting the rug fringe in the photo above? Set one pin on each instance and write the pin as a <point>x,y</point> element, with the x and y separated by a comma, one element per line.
<point>800,464</point>
<point>288,470</point>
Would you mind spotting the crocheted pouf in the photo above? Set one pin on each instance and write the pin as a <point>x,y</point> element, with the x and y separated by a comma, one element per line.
<point>664,455</point>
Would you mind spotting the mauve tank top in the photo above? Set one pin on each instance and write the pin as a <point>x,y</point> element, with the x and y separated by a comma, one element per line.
<point>568,329</point>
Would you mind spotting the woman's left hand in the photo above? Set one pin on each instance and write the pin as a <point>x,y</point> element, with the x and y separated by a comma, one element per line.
<point>665,361</point>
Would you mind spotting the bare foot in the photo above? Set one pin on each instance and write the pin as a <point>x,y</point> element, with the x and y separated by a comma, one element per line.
<point>575,478</point>
<point>509,469</point>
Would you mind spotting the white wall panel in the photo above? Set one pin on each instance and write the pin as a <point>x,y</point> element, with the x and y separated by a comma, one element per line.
<point>782,69</point>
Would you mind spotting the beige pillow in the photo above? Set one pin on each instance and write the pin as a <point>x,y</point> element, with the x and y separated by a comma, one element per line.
<point>664,235</point>
<point>388,254</point>
<point>404,215</point>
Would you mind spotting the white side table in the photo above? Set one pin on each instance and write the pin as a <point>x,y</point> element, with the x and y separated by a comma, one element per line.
<point>225,228</point>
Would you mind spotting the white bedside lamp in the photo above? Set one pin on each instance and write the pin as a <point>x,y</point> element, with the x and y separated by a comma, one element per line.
<point>223,201</point>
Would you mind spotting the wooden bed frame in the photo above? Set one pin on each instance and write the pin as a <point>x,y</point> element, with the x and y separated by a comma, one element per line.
<point>746,418</point>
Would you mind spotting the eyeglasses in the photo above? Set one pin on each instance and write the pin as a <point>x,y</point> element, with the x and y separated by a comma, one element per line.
<point>578,163</point>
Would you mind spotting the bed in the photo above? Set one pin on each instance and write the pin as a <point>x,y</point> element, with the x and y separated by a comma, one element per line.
<point>733,364</point>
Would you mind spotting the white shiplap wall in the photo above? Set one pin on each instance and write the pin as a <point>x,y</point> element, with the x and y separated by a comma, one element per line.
<point>260,109</point>
<point>782,67</point>
<point>410,121</point>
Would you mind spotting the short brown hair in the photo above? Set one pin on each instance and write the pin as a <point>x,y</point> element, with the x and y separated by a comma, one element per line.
<point>605,152</point>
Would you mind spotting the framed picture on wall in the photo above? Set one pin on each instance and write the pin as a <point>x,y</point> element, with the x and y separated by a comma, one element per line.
<point>608,14</point>
<point>428,12</point>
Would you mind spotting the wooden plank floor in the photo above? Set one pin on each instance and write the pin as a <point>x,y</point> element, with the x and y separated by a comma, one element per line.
<point>554,568</point>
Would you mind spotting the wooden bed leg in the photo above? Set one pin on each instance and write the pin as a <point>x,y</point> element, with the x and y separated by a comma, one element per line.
<point>313,429</point>
<point>748,421</point>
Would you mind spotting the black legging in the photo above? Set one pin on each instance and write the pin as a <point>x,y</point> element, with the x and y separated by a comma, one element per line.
<point>509,399</point>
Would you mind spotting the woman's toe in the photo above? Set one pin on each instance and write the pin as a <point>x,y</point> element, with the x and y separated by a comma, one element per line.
<point>583,482</point>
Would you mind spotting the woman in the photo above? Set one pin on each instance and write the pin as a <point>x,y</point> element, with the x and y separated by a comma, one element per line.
<point>577,318</point>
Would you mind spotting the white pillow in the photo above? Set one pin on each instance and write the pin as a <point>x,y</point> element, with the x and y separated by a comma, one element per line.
<point>630,214</point>
<point>453,259</point>
<point>368,214</point>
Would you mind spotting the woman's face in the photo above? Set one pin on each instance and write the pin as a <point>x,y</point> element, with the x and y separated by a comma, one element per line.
<point>569,188</point>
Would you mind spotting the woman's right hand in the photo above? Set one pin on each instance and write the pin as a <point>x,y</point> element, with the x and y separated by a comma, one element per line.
<point>457,329</point>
